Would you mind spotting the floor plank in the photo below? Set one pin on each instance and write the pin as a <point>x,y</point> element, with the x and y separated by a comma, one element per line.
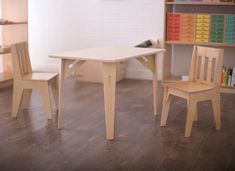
<point>31,142</point>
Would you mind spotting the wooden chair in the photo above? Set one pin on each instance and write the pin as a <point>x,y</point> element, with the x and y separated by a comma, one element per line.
<point>25,80</point>
<point>203,84</point>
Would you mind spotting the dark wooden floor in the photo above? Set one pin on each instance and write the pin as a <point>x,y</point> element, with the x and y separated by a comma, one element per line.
<point>31,142</point>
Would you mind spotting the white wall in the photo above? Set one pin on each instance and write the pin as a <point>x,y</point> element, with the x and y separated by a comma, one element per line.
<point>182,55</point>
<point>58,25</point>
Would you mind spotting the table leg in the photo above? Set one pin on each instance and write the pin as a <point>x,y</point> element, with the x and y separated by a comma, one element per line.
<point>155,85</point>
<point>61,78</point>
<point>150,62</point>
<point>109,81</point>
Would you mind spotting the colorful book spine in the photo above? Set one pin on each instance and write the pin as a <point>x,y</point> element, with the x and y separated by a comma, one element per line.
<point>230,72</point>
<point>201,28</point>
<point>217,29</point>
<point>222,76</point>
<point>228,77</point>
<point>225,83</point>
<point>173,26</point>
<point>233,77</point>
<point>230,29</point>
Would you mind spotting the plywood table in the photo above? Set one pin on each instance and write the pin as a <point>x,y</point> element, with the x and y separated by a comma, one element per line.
<point>70,61</point>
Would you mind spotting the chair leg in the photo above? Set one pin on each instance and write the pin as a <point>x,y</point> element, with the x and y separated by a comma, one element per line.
<point>217,110</point>
<point>55,91</point>
<point>17,96</point>
<point>192,105</point>
<point>46,97</point>
<point>165,106</point>
<point>26,98</point>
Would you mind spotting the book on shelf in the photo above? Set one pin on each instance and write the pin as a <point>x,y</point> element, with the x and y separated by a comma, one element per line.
<point>233,77</point>
<point>228,76</point>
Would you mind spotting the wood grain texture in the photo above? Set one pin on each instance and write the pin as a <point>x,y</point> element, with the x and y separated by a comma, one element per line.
<point>26,80</point>
<point>109,83</point>
<point>107,54</point>
<point>200,87</point>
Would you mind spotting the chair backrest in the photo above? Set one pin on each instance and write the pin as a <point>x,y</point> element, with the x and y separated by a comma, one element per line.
<point>206,65</point>
<point>20,60</point>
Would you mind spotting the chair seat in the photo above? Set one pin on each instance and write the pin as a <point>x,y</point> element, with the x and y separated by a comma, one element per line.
<point>37,76</point>
<point>189,87</point>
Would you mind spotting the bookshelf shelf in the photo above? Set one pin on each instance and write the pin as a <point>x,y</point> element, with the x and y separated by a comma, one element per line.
<point>201,3</point>
<point>4,50</point>
<point>195,43</point>
<point>1,53</point>
<point>14,23</point>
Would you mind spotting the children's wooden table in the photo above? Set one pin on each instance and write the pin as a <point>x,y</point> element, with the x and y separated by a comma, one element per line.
<point>70,61</point>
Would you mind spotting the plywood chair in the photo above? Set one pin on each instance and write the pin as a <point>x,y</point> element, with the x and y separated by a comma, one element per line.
<point>203,84</point>
<point>25,80</point>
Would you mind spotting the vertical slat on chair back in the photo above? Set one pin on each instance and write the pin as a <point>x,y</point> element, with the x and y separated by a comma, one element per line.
<point>20,59</point>
<point>206,65</point>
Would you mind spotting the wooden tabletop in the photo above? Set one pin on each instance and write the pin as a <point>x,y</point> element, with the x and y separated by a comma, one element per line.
<point>107,54</point>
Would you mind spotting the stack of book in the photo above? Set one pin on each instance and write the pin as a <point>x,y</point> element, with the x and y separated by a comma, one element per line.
<point>228,76</point>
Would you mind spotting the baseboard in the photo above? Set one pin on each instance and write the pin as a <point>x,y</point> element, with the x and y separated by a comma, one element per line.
<point>130,73</point>
<point>141,74</point>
